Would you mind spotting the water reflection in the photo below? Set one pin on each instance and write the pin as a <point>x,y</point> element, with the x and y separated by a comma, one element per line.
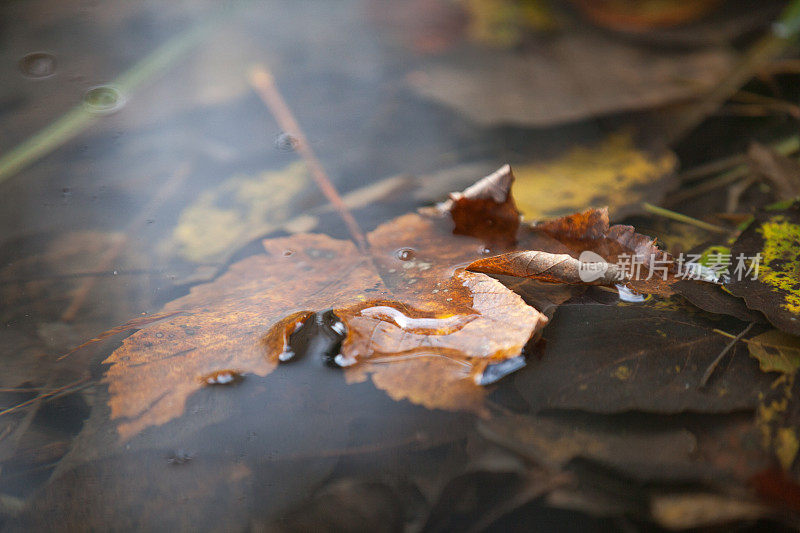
<point>168,153</point>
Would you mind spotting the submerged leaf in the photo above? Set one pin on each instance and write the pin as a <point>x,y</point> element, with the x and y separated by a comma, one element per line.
<point>239,210</point>
<point>615,173</point>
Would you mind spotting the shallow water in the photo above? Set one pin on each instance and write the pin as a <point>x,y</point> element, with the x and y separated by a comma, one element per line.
<point>156,166</point>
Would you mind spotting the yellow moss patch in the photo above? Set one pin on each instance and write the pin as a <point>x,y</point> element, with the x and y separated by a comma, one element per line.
<point>504,23</point>
<point>786,446</point>
<point>779,266</point>
<point>777,433</point>
<point>613,173</point>
<point>622,373</point>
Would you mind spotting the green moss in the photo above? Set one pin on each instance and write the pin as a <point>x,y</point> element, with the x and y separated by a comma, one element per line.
<point>780,267</point>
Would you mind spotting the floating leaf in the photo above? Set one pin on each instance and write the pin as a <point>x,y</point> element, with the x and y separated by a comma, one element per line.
<point>714,299</point>
<point>775,236</point>
<point>415,328</point>
<point>403,315</point>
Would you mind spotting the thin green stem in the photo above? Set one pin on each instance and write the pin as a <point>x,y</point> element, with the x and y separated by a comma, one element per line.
<point>79,117</point>
<point>685,219</point>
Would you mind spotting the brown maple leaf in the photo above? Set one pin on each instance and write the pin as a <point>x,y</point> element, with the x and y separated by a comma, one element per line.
<point>412,319</point>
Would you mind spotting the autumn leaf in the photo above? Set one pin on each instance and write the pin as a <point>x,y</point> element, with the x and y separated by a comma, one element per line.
<point>403,315</point>
<point>774,235</point>
<point>613,172</point>
<point>715,299</point>
<point>239,210</point>
<point>618,255</point>
<point>778,418</point>
<point>639,357</point>
<point>415,328</point>
<point>545,85</point>
<point>776,351</point>
<point>547,267</point>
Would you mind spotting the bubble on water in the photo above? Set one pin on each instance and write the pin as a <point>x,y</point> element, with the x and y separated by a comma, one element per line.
<point>38,65</point>
<point>286,142</point>
<point>405,254</point>
<point>103,99</point>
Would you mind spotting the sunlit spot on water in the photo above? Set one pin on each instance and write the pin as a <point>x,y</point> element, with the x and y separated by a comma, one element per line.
<point>103,99</point>
<point>419,326</point>
<point>38,65</point>
<point>222,377</point>
<point>631,296</point>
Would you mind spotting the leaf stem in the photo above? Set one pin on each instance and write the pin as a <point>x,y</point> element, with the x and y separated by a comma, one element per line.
<point>79,117</point>
<point>263,83</point>
<point>680,217</point>
<point>715,363</point>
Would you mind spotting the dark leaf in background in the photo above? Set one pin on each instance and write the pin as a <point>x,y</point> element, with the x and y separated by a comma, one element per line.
<point>774,235</point>
<point>645,357</point>
<point>714,299</point>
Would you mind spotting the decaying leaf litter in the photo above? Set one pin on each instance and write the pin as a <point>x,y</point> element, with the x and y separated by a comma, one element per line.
<point>607,381</point>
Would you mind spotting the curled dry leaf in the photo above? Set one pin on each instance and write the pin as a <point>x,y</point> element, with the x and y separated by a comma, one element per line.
<point>486,209</point>
<point>549,267</point>
<point>589,250</point>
